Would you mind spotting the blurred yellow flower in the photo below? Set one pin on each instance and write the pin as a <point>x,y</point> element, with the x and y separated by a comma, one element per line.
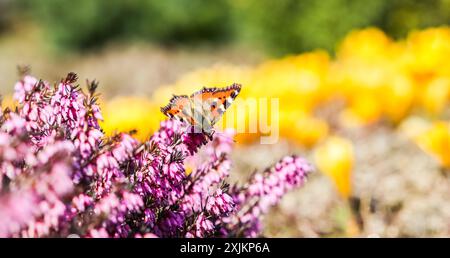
<point>389,95</point>
<point>427,52</point>
<point>397,97</point>
<point>369,44</point>
<point>365,109</point>
<point>436,142</point>
<point>8,102</point>
<point>367,73</point>
<point>335,158</point>
<point>131,113</point>
<point>298,81</point>
<point>435,95</point>
<point>188,169</point>
<point>302,128</point>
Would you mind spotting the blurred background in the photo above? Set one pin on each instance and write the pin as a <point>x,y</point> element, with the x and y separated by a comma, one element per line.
<point>364,89</point>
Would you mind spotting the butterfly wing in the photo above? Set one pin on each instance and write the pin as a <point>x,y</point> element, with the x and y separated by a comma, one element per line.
<point>225,98</point>
<point>184,109</point>
<point>203,108</point>
<point>179,108</point>
<point>214,101</point>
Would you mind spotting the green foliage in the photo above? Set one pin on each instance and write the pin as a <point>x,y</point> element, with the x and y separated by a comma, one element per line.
<point>81,23</point>
<point>280,26</point>
<point>87,23</point>
<point>293,26</point>
<point>403,16</point>
<point>176,21</point>
<point>287,26</point>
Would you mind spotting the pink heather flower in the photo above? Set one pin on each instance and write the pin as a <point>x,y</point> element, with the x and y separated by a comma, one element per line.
<point>201,183</point>
<point>161,171</point>
<point>116,209</point>
<point>15,125</point>
<point>86,141</point>
<point>220,203</point>
<point>265,190</point>
<point>170,223</point>
<point>15,211</point>
<point>50,150</point>
<point>221,144</point>
<point>97,115</point>
<point>58,180</point>
<point>106,170</point>
<point>98,233</point>
<point>14,152</point>
<point>123,150</point>
<point>190,142</point>
<point>210,174</point>
<point>81,202</point>
<point>146,235</point>
<point>51,211</point>
<point>31,94</point>
<point>149,218</point>
<point>275,182</point>
<point>24,87</point>
<point>202,227</point>
<point>67,103</point>
<point>192,202</point>
<point>60,175</point>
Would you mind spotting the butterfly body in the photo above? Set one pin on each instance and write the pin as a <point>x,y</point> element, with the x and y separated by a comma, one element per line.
<point>203,108</point>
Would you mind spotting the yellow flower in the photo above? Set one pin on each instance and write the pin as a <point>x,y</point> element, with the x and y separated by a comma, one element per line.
<point>188,169</point>
<point>391,95</point>
<point>398,97</point>
<point>335,158</point>
<point>427,52</point>
<point>368,44</point>
<point>131,113</point>
<point>435,95</point>
<point>436,142</point>
<point>365,109</point>
<point>302,128</point>
<point>360,85</point>
<point>366,69</point>
<point>298,81</point>
<point>8,102</point>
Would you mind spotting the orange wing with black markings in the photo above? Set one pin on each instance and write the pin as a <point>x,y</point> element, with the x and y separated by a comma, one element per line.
<point>215,101</point>
<point>204,107</point>
<point>175,108</point>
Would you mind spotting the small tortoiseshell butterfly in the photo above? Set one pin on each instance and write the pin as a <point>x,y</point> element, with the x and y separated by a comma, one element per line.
<point>203,108</point>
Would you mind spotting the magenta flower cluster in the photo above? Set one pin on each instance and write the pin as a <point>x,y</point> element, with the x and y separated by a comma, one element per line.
<point>60,175</point>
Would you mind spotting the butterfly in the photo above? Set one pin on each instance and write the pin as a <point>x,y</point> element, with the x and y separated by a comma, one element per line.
<point>203,108</point>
